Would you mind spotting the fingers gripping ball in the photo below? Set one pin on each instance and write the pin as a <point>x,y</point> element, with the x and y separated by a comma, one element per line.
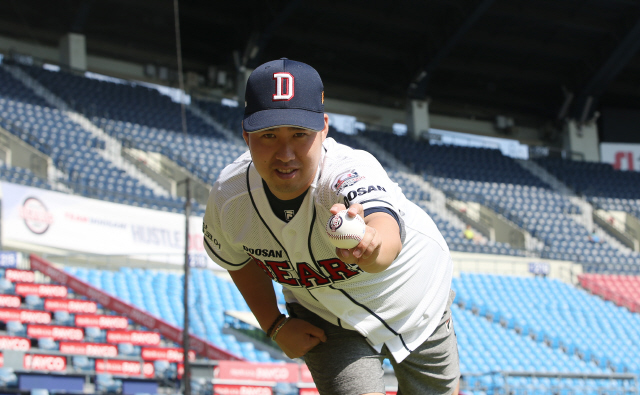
<point>344,231</point>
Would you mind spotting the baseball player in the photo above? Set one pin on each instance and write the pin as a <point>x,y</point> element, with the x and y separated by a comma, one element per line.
<point>388,297</point>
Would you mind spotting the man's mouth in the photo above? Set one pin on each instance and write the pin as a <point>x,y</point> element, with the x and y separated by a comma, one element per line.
<point>286,171</point>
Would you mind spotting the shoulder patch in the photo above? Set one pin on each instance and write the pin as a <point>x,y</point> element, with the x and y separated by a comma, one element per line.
<point>345,180</point>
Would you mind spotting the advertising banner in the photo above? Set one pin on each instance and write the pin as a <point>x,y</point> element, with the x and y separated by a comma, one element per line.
<point>59,220</point>
<point>228,389</point>
<point>14,343</point>
<point>139,338</point>
<point>622,156</point>
<point>20,276</point>
<point>42,290</point>
<point>102,321</point>
<point>126,368</point>
<point>50,363</point>
<point>25,316</point>
<point>171,354</point>
<point>235,370</point>
<point>56,332</point>
<point>89,349</point>
<point>10,301</point>
<point>71,305</point>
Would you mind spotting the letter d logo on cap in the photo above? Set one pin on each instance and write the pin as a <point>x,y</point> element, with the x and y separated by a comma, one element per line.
<point>281,79</point>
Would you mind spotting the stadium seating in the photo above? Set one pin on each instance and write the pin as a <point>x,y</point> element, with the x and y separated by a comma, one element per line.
<point>487,177</point>
<point>73,150</point>
<point>613,190</point>
<point>620,289</point>
<point>569,321</point>
<point>161,294</point>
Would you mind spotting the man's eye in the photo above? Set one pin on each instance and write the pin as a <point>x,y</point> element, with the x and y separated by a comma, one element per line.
<point>269,135</point>
<point>300,134</point>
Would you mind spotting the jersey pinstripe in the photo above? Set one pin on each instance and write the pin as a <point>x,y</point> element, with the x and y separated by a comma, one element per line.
<point>399,307</point>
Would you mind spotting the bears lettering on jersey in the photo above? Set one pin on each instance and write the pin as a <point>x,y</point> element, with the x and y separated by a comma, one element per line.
<point>328,271</point>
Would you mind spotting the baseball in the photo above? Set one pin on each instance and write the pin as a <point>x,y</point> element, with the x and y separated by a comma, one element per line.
<point>344,231</point>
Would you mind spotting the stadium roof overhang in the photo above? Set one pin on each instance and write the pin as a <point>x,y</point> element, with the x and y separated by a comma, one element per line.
<point>534,60</point>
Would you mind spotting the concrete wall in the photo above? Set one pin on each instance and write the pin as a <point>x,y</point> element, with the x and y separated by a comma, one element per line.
<point>19,154</point>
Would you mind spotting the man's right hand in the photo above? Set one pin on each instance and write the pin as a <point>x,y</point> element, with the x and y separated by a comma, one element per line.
<point>297,337</point>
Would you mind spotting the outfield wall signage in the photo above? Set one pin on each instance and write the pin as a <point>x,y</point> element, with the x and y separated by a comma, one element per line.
<point>124,368</point>
<point>139,338</point>
<point>50,363</point>
<point>42,290</point>
<point>10,301</point>
<point>171,354</point>
<point>70,305</point>
<point>20,276</point>
<point>228,389</point>
<point>25,316</point>
<point>14,343</point>
<point>89,349</point>
<point>59,220</point>
<point>55,332</point>
<point>235,370</point>
<point>102,321</point>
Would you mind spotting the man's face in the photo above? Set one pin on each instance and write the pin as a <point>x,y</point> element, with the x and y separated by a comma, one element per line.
<point>287,158</point>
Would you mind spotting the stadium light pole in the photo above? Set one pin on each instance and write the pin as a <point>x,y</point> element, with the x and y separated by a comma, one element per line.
<point>186,376</point>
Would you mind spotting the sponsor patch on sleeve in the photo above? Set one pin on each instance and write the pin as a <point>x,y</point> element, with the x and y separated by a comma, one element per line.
<point>345,180</point>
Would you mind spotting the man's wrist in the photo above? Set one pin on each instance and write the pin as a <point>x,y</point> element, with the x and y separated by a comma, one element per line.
<point>274,325</point>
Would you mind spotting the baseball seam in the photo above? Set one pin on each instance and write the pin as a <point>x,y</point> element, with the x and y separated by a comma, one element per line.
<point>342,237</point>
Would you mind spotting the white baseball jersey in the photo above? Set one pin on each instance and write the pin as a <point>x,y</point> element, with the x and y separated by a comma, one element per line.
<point>399,307</point>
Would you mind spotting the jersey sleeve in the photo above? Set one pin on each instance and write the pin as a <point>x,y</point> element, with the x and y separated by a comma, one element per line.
<point>216,242</point>
<point>366,182</point>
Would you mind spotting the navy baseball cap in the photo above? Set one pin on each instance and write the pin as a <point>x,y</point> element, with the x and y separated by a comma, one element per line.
<point>284,92</point>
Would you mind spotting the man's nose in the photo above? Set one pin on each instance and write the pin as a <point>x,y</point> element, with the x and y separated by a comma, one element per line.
<point>285,153</point>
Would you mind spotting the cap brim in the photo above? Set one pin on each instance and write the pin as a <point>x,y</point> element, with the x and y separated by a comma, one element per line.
<point>268,119</point>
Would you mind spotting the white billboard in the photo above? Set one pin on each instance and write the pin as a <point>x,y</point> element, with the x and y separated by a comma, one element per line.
<point>59,220</point>
<point>622,156</point>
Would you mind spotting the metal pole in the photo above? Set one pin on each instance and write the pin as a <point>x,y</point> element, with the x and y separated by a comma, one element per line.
<point>186,377</point>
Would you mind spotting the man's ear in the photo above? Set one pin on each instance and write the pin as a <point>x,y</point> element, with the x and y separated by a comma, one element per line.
<point>245,136</point>
<point>325,131</point>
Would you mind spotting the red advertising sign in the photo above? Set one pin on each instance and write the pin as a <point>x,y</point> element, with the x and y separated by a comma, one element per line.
<point>51,363</point>
<point>89,349</point>
<point>28,316</point>
<point>1,360</point>
<point>10,301</point>
<point>305,374</point>
<point>56,332</point>
<point>227,389</point>
<point>171,354</point>
<point>127,368</point>
<point>314,391</point>
<point>236,370</point>
<point>43,290</point>
<point>140,338</point>
<point>20,276</point>
<point>70,305</point>
<point>14,343</point>
<point>102,321</point>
